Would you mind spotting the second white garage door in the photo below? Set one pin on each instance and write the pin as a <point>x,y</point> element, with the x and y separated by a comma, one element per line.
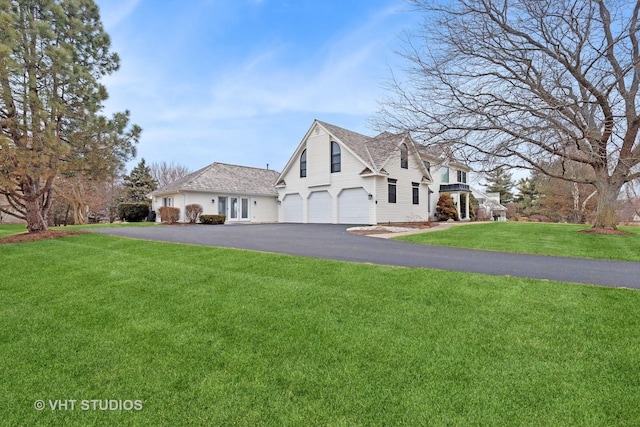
<point>320,207</point>
<point>353,206</point>
<point>292,208</point>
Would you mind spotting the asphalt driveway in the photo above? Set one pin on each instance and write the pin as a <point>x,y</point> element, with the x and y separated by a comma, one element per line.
<point>334,242</point>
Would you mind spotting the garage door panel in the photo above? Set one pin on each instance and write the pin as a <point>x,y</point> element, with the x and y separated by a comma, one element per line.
<point>353,206</point>
<point>320,207</point>
<point>292,208</point>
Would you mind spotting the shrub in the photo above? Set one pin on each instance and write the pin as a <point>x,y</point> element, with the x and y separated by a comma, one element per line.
<point>446,208</point>
<point>133,212</point>
<point>193,212</point>
<point>169,214</point>
<point>213,219</point>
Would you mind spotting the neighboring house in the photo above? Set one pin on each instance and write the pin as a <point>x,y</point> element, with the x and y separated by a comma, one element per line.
<point>339,176</point>
<point>243,194</point>
<point>490,205</point>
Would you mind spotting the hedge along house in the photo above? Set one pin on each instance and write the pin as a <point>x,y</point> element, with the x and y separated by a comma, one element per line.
<point>243,194</point>
<point>342,177</point>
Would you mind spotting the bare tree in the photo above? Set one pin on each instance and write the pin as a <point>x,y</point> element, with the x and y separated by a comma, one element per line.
<point>527,84</point>
<point>165,173</point>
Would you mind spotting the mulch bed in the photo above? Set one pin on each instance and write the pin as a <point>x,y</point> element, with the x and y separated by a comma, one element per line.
<point>35,237</point>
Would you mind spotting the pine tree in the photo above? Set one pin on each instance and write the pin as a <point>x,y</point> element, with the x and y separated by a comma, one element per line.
<point>500,181</point>
<point>52,55</point>
<point>527,196</point>
<point>139,183</point>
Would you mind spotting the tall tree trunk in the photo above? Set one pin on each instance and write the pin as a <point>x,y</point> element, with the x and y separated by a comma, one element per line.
<point>36,219</point>
<point>606,211</point>
<point>37,204</point>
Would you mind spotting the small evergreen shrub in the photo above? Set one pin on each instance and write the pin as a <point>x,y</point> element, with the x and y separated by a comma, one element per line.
<point>133,211</point>
<point>446,208</point>
<point>193,212</point>
<point>213,219</point>
<point>169,214</point>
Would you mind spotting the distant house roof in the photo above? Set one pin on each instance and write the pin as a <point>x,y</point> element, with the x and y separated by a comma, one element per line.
<point>227,179</point>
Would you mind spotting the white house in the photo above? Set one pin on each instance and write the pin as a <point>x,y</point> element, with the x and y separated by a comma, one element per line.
<point>243,194</point>
<point>342,177</point>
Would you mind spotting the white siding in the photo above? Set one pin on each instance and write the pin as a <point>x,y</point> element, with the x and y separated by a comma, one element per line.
<point>403,210</point>
<point>261,208</point>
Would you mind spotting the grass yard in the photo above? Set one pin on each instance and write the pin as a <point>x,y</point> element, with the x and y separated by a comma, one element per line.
<point>536,238</point>
<point>208,336</point>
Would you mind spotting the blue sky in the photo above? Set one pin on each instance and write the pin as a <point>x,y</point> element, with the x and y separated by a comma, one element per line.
<point>240,81</point>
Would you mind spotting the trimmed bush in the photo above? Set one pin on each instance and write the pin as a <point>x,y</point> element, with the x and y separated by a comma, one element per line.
<point>446,208</point>
<point>213,219</point>
<point>133,212</point>
<point>169,214</point>
<point>193,212</point>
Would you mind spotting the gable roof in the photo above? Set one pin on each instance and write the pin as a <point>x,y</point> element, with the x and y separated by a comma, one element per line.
<point>225,178</point>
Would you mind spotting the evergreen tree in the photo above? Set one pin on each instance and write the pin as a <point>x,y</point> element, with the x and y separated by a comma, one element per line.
<point>446,208</point>
<point>527,196</point>
<point>52,55</point>
<point>500,181</point>
<point>139,183</point>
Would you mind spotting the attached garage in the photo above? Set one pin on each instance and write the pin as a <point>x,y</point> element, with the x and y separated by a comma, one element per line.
<point>353,206</point>
<point>292,208</point>
<point>320,207</point>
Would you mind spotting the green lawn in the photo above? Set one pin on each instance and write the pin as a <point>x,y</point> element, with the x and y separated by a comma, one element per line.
<point>536,238</point>
<point>208,336</point>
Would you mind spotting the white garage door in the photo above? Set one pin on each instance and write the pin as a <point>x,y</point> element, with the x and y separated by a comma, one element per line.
<point>292,208</point>
<point>319,204</point>
<point>353,206</point>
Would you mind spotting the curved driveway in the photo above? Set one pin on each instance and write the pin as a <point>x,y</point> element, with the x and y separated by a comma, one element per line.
<point>334,242</point>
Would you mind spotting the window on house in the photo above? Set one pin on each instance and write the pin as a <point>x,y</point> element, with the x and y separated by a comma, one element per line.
<point>167,201</point>
<point>335,157</point>
<point>392,189</point>
<point>444,174</point>
<point>222,206</point>
<point>404,156</point>
<point>416,193</point>
<point>427,165</point>
<point>303,164</point>
<point>244,209</point>
<point>462,177</point>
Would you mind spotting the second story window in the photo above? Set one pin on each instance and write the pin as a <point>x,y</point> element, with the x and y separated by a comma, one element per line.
<point>462,177</point>
<point>335,157</point>
<point>444,174</point>
<point>404,156</point>
<point>303,164</point>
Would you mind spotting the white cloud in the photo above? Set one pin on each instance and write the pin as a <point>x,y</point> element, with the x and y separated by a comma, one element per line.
<point>113,12</point>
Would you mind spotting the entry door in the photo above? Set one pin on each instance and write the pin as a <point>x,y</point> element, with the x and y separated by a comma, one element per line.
<point>238,208</point>
<point>233,208</point>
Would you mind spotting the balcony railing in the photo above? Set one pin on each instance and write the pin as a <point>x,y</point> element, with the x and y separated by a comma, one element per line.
<point>449,188</point>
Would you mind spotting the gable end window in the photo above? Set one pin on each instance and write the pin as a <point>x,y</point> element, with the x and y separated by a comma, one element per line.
<point>404,156</point>
<point>335,157</point>
<point>415,187</point>
<point>303,164</point>
<point>392,189</point>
